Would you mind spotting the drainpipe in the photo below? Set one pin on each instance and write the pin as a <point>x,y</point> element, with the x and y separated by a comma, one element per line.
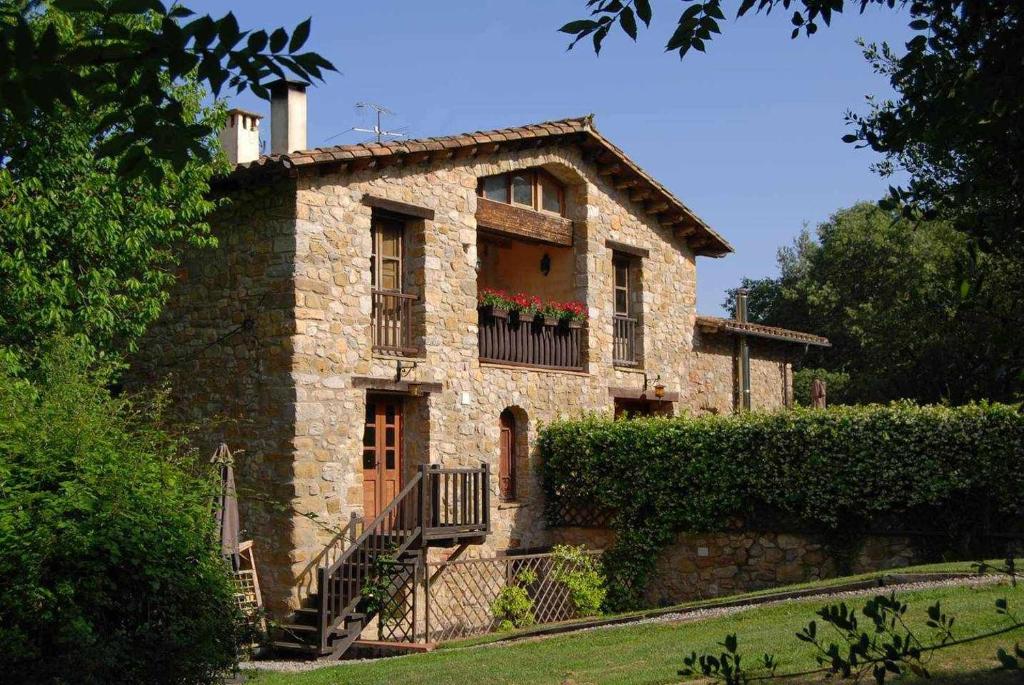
<point>744,370</point>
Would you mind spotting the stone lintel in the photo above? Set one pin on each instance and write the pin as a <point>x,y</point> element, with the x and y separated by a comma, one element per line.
<point>641,394</point>
<point>396,207</point>
<point>391,385</point>
<point>627,249</point>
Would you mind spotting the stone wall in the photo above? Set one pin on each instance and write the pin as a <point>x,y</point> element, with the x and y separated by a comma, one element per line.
<point>697,566</point>
<point>713,385</point>
<point>299,259</point>
<point>223,345</point>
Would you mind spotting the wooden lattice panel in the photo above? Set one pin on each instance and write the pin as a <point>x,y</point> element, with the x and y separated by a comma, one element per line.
<point>461,593</point>
<point>396,620</point>
<point>575,514</point>
<point>245,592</point>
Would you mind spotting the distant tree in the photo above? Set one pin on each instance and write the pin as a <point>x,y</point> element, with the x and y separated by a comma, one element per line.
<point>889,294</point>
<point>956,124</point>
<point>119,56</point>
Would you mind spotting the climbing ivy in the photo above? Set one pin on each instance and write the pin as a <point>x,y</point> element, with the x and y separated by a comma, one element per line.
<point>837,471</point>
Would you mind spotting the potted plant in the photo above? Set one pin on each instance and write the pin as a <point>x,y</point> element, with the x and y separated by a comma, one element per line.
<point>552,313</point>
<point>495,302</point>
<point>574,313</point>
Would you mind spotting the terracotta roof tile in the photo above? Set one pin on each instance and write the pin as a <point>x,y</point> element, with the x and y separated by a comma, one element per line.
<point>720,325</point>
<point>714,244</point>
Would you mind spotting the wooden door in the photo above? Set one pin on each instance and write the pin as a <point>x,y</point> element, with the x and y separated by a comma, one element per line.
<point>382,454</point>
<point>507,461</point>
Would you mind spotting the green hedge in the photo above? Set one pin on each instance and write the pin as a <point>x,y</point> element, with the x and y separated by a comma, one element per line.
<point>835,470</point>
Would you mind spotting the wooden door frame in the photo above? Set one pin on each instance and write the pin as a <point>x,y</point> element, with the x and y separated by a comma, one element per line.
<point>380,448</point>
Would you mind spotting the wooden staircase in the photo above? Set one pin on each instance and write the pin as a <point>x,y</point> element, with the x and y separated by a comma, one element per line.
<point>438,507</point>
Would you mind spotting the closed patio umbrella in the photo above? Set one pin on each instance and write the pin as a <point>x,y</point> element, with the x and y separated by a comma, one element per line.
<point>226,506</point>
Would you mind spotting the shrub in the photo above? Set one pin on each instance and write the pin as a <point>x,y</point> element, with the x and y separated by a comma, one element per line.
<point>513,608</point>
<point>836,471</point>
<point>111,572</point>
<point>581,574</point>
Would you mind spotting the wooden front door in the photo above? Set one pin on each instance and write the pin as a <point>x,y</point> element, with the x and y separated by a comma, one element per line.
<point>382,454</point>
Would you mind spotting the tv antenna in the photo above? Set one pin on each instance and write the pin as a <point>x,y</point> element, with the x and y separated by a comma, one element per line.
<point>381,110</point>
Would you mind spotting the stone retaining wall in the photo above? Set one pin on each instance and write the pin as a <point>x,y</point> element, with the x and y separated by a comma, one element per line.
<point>697,566</point>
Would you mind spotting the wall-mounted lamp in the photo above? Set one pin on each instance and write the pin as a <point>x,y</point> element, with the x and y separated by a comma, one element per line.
<point>545,264</point>
<point>659,390</point>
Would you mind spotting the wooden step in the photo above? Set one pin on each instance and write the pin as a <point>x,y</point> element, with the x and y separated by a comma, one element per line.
<point>295,648</point>
<point>298,628</point>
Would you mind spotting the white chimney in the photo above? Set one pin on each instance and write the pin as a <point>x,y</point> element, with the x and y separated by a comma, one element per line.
<point>240,137</point>
<point>287,116</point>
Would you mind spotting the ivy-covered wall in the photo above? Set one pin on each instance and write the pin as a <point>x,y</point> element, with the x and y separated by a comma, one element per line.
<point>956,472</point>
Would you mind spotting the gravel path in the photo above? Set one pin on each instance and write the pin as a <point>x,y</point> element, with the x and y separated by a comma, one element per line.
<point>684,616</point>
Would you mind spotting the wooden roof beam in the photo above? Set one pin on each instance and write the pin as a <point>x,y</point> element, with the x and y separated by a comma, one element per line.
<point>656,207</point>
<point>627,183</point>
<point>640,194</point>
<point>609,170</point>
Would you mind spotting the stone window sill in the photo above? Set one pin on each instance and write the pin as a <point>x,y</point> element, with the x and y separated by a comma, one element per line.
<point>532,369</point>
<point>402,358</point>
<point>511,504</point>
<point>629,369</point>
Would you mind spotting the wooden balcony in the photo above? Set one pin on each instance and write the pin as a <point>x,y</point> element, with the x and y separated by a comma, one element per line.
<point>392,322</point>
<point>624,341</point>
<point>505,339</point>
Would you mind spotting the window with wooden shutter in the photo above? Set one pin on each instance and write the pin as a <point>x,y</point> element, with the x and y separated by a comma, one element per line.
<point>507,461</point>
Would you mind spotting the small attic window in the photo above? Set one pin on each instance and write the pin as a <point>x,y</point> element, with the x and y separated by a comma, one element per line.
<point>533,188</point>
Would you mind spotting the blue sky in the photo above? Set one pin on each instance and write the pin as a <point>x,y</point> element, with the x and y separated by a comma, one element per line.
<point>747,135</point>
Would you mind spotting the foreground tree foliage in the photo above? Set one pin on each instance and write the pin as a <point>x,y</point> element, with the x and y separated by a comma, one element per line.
<point>107,549</point>
<point>911,311</point>
<point>120,62</point>
<point>956,125</point>
<point>85,250</point>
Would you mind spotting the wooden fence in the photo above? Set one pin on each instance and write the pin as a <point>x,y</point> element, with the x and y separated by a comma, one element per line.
<point>460,593</point>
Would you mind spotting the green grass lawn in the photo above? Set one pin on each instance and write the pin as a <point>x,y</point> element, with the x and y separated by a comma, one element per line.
<point>652,653</point>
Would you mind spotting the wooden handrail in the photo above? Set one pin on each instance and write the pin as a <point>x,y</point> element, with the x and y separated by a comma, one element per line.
<point>529,342</point>
<point>392,321</point>
<point>437,503</point>
<point>624,343</point>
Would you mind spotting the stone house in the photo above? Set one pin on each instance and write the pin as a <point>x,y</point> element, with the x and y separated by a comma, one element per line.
<point>335,336</point>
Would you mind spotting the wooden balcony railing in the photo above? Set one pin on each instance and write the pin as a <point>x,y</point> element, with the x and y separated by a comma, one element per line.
<point>507,340</point>
<point>392,322</point>
<point>624,347</point>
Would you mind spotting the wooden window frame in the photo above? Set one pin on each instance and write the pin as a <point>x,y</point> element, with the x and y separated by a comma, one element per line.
<point>626,263</point>
<point>377,258</point>
<point>535,175</point>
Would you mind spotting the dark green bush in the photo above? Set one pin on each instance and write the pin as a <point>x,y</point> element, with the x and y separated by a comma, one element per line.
<point>838,471</point>
<point>110,572</point>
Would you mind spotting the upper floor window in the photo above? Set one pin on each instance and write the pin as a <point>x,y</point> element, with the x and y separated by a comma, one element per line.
<point>386,260</point>
<point>533,188</point>
<point>392,312</point>
<point>626,333</point>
